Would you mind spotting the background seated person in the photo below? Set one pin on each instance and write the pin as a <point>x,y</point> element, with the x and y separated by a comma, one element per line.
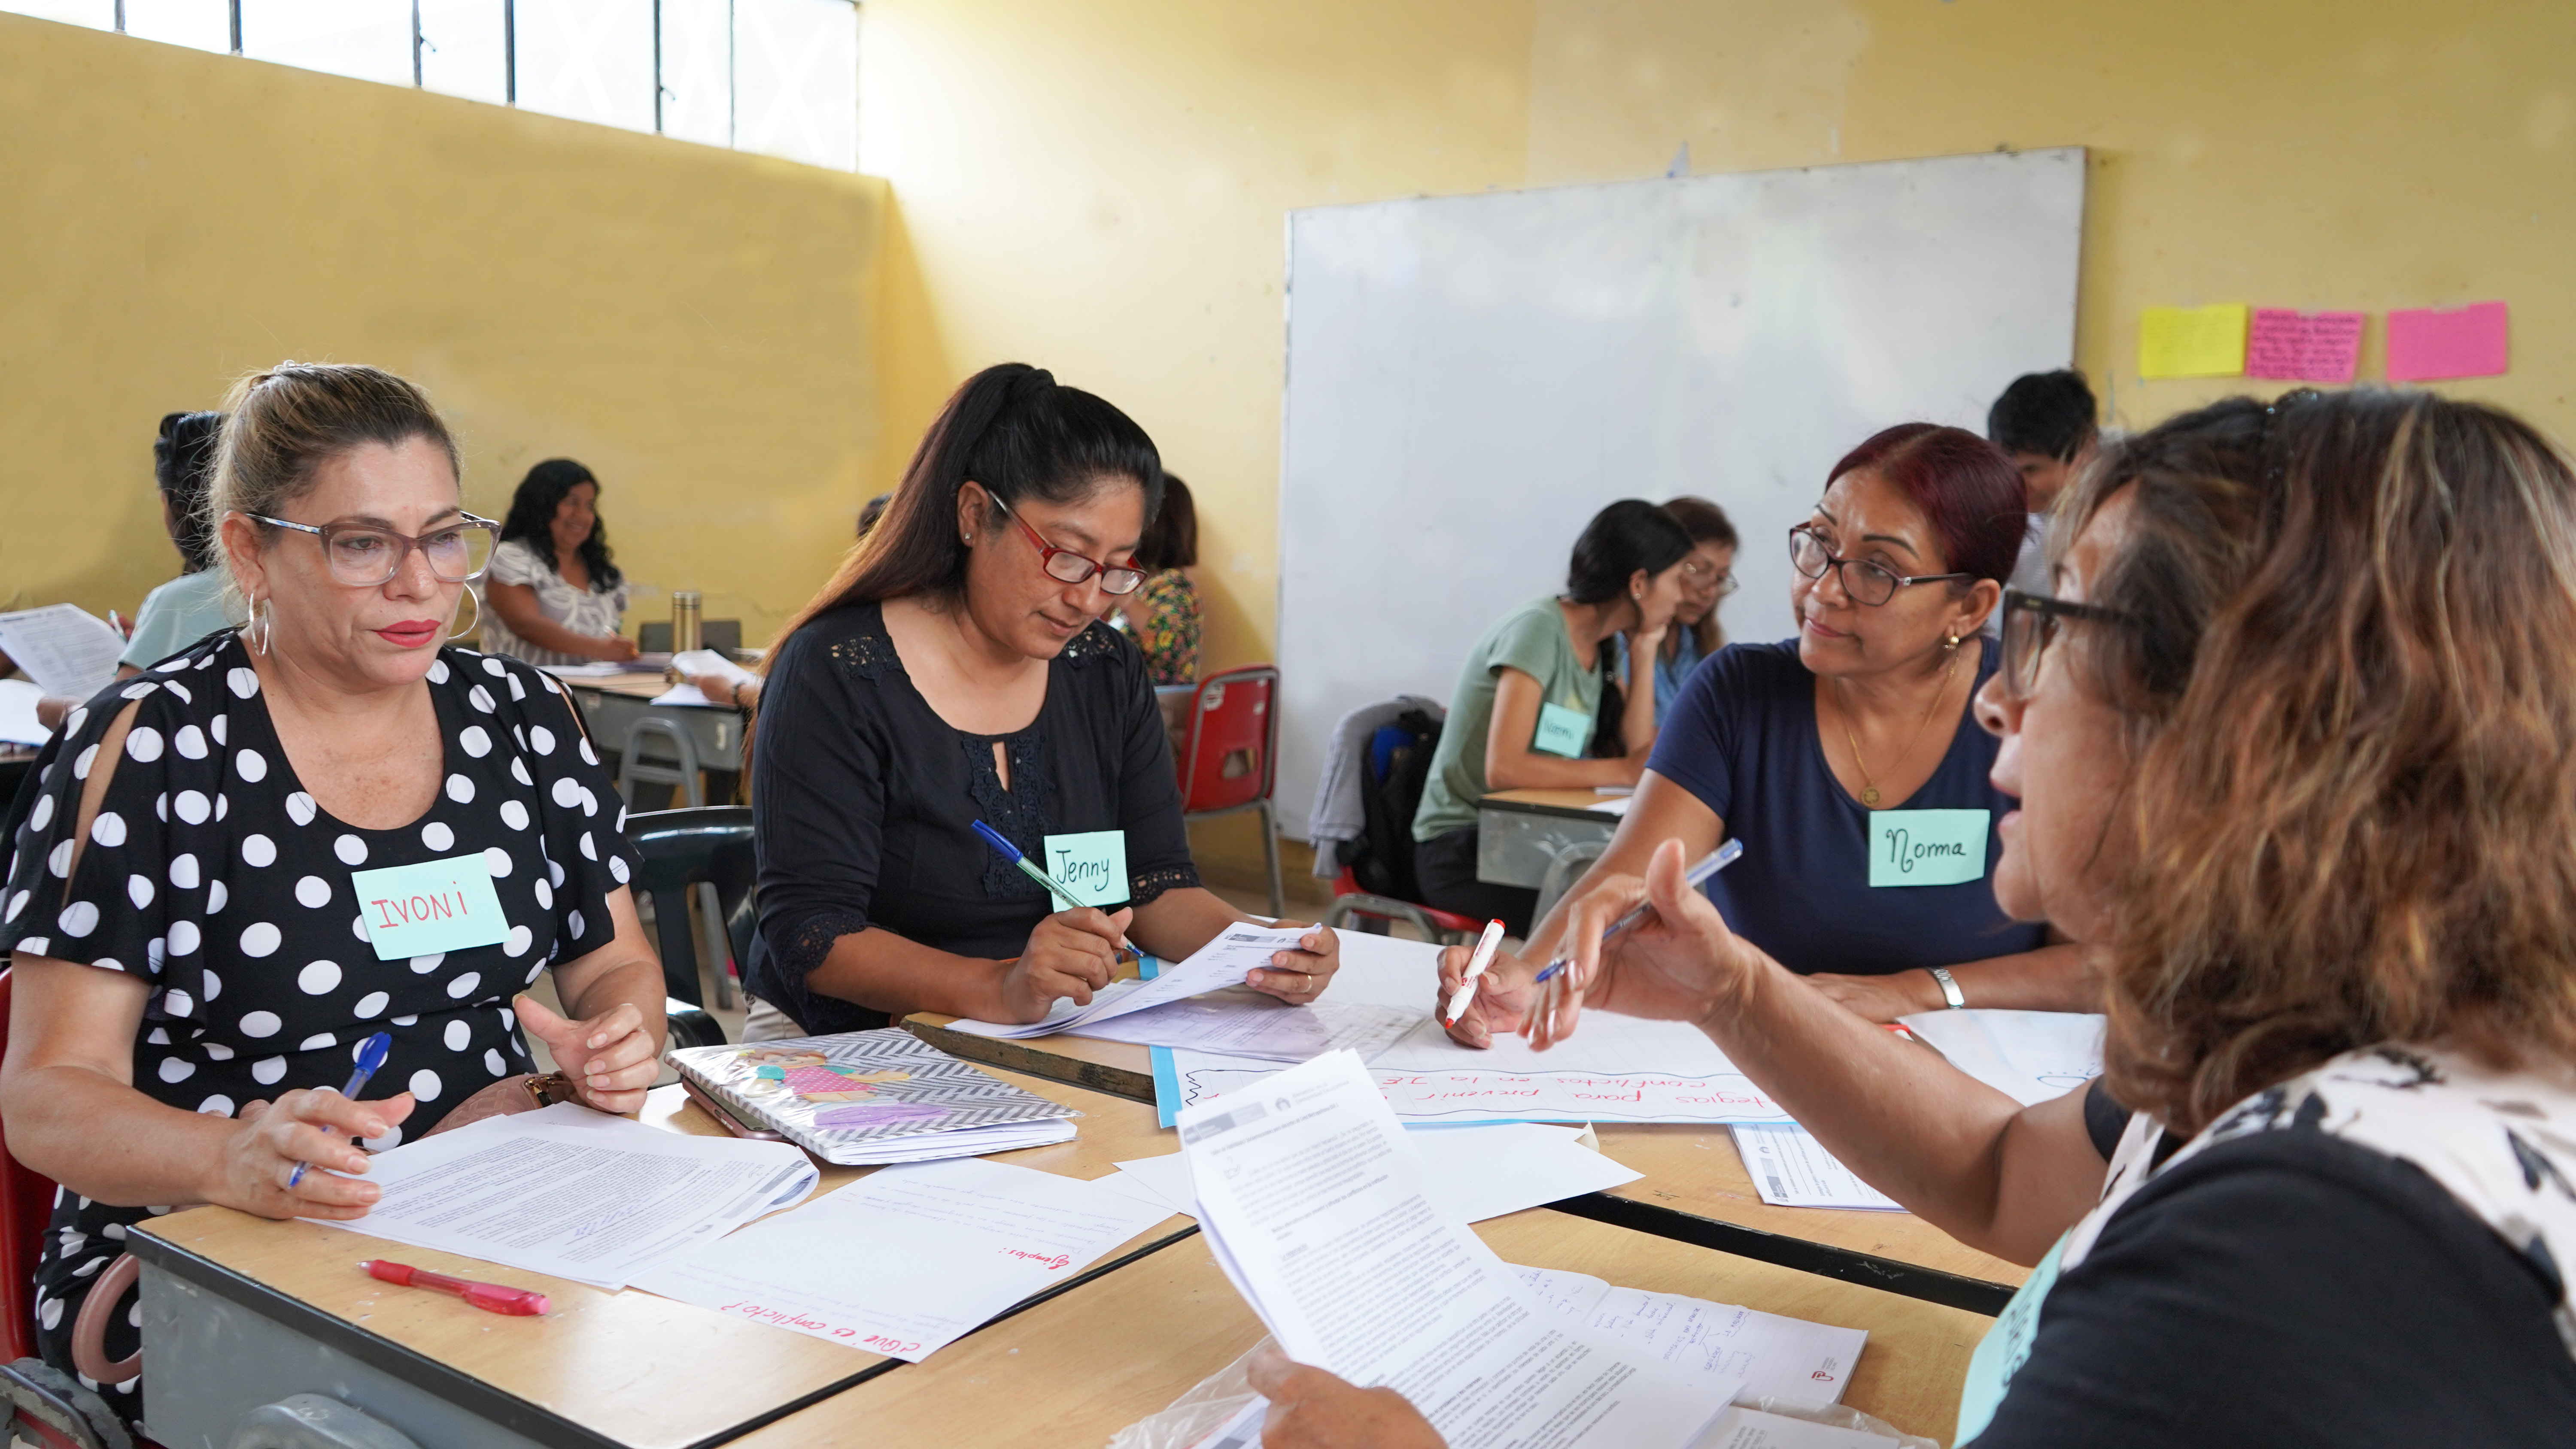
<point>956,670</point>
<point>554,595</point>
<point>187,990</point>
<point>1526,710</point>
<point>1827,753</point>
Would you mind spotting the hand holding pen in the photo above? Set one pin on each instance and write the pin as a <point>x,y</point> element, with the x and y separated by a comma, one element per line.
<point>1654,948</point>
<point>267,1165</point>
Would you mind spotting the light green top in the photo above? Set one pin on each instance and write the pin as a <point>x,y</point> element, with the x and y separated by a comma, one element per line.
<point>1531,639</point>
<point>176,615</point>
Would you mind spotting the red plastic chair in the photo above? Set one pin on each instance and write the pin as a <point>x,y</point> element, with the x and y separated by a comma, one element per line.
<point>1448,928</point>
<point>26,1205</point>
<point>1230,763</point>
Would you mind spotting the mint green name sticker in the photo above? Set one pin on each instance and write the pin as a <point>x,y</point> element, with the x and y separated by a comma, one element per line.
<point>435,906</point>
<point>1092,865</point>
<point>1927,847</point>
<point>2004,1349</point>
<point>1562,731</point>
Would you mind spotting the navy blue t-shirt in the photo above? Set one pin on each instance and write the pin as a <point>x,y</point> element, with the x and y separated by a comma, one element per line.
<point>1742,737</point>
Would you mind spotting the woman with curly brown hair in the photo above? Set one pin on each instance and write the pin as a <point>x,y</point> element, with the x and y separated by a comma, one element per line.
<point>2292,736</point>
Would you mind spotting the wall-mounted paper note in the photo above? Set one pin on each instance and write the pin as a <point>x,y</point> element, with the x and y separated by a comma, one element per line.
<point>2303,346</point>
<point>2424,343</point>
<point>2192,341</point>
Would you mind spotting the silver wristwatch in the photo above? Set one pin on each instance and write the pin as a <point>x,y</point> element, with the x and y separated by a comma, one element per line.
<point>1949,988</point>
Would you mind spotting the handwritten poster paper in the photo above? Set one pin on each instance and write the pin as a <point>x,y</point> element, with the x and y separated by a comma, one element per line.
<point>909,1259</point>
<point>2425,343</point>
<point>2192,341</point>
<point>2299,346</point>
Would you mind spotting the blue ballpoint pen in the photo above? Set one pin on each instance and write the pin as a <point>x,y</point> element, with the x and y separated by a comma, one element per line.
<point>1697,876</point>
<point>371,1055</point>
<point>1006,850</point>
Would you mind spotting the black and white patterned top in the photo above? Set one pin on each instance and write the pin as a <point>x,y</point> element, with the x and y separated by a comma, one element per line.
<point>212,874</point>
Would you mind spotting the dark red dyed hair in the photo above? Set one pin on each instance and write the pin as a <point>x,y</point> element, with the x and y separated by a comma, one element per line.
<point>1968,490</point>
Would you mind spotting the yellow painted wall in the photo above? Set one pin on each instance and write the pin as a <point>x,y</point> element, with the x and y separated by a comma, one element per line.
<point>1101,188</point>
<point>696,325</point>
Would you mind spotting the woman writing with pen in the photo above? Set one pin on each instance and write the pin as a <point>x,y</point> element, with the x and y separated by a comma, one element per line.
<point>955,671</point>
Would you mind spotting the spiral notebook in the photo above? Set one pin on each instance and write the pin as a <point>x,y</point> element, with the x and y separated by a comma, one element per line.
<point>862,1098</point>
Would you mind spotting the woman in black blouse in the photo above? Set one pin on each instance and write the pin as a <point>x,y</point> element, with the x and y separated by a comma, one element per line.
<point>956,670</point>
<point>198,937</point>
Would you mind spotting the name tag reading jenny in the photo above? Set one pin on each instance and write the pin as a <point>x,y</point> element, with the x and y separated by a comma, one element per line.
<point>1927,847</point>
<point>435,906</point>
<point>1091,864</point>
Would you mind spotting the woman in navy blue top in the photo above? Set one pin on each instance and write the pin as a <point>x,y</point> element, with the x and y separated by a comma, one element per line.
<point>1846,760</point>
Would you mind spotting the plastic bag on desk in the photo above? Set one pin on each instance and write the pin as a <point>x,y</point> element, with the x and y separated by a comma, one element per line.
<point>1832,1416</point>
<point>1222,1412</point>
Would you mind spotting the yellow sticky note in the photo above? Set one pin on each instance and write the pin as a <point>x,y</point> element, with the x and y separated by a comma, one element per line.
<point>2192,341</point>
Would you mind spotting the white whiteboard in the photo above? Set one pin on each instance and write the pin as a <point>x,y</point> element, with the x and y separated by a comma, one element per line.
<point>1471,378</point>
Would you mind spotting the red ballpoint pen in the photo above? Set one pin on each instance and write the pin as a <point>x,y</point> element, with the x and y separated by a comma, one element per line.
<point>490,1297</point>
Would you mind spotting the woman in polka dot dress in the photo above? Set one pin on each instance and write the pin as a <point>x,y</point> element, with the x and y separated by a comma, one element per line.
<point>198,944</point>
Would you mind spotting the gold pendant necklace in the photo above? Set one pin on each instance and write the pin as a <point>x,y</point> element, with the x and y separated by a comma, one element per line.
<point>1868,782</point>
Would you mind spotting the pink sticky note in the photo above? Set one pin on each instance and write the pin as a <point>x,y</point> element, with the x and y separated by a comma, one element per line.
<point>2425,343</point>
<point>2303,346</point>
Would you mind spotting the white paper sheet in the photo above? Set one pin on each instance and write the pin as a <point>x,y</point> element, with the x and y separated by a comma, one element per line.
<point>1792,1169</point>
<point>708,661</point>
<point>1752,1429</point>
<point>2029,1056</point>
<point>909,1259</point>
<point>683,693</point>
<point>1729,1350</point>
<point>576,1193</point>
<point>64,648</point>
<point>1475,1172</point>
<point>1225,961</point>
<point>1316,1209</point>
<point>1617,806</point>
<point>18,713</point>
<point>1242,1022</point>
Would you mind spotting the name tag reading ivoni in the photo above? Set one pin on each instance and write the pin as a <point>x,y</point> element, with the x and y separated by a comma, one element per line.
<point>1562,731</point>
<point>1092,865</point>
<point>1927,847</point>
<point>435,906</point>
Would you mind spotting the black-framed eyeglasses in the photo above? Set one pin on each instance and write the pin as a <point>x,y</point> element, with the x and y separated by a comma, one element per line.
<point>1866,582</point>
<point>364,555</point>
<point>2031,624</point>
<point>1066,566</point>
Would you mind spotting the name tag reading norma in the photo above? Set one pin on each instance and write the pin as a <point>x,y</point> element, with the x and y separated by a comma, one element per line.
<point>1562,731</point>
<point>1092,865</point>
<point>435,906</point>
<point>1927,847</point>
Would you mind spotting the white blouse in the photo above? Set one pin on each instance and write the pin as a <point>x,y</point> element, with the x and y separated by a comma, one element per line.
<point>593,611</point>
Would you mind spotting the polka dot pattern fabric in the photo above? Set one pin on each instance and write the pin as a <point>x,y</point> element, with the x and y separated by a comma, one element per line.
<point>211,873</point>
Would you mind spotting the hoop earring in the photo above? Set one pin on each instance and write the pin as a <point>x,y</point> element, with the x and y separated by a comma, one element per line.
<point>261,629</point>
<point>478,615</point>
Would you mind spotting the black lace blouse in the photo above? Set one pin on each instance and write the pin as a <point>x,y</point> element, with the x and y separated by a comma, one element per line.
<point>863,801</point>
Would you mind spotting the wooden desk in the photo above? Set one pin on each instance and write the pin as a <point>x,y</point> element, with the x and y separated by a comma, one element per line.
<point>1087,1363</point>
<point>1695,1187</point>
<point>1520,833</point>
<point>241,1311</point>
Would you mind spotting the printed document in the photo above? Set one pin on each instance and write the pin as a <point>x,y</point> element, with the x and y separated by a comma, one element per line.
<point>1729,1350</point>
<point>18,725</point>
<point>909,1259</point>
<point>1225,961</point>
<point>1792,1169</point>
<point>577,1193</point>
<point>1316,1210</point>
<point>1474,1172</point>
<point>65,648</point>
<point>1242,1022</point>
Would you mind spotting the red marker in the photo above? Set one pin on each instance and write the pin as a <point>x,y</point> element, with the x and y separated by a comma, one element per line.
<point>490,1297</point>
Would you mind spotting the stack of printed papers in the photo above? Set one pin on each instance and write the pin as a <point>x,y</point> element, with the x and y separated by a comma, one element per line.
<point>1225,961</point>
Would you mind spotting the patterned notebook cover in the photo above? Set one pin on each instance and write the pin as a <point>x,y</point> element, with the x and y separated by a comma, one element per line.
<point>836,1096</point>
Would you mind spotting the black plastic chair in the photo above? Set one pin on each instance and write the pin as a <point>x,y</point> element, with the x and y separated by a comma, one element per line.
<point>704,853</point>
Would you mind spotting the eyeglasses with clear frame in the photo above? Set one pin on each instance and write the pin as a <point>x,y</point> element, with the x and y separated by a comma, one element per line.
<point>1067,567</point>
<point>2031,624</point>
<point>364,555</point>
<point>1697,572</point>
<point>1867,583</point>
